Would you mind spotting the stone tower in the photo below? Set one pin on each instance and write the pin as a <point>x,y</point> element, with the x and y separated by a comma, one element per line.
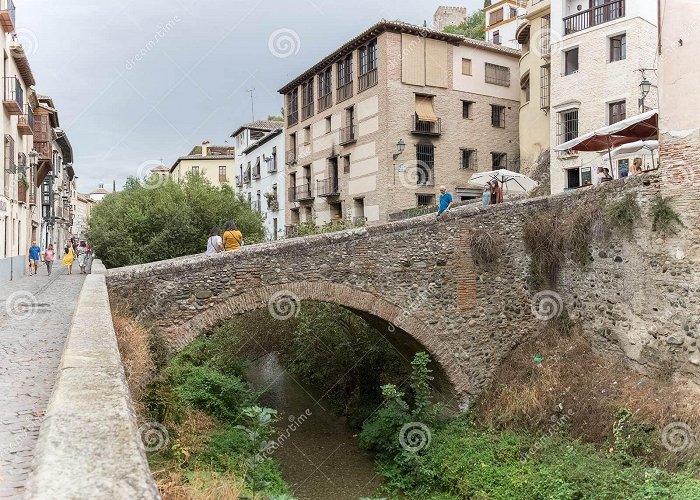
<point>448,16</point>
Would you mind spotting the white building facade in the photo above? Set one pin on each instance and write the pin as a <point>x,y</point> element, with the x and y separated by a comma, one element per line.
<point>260,172</point>
<point>600,53</point>
<point>502,21</point>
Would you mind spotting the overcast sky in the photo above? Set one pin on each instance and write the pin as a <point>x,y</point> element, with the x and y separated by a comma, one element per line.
<point>197,60</point>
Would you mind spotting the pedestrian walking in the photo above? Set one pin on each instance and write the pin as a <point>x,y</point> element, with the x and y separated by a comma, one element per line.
<point>82,257</point>
<point>233,238</point>
<point>214,244</point>
<point>445,200</point>
<point>49,257</point>
<point>34,256</point>
<point>68,258</point>
<point>486,195</point>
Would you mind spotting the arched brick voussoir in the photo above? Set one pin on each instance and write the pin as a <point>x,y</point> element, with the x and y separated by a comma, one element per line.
<point>259,298</point>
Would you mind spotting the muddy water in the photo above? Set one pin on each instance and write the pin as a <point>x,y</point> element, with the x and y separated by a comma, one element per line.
<point>320,456</point>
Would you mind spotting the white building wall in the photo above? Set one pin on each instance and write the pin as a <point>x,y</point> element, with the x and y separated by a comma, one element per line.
<point>506,29</point>
<point>273,220</point>
<point>476,82</point>
<point>598,82</point>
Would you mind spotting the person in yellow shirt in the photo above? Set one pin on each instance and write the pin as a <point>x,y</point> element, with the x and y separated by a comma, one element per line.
<point>233,238</point>
<point>68,257</point>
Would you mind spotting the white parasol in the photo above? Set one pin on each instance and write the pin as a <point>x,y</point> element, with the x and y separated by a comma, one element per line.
<point>513,181</point>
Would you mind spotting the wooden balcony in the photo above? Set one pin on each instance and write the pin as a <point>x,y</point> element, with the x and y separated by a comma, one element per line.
<point>25,124</point>
<point>368,80</point>
<point>344,92</point>
<point>325,102</point>
<point>595,16</point>
<point>7,15</point>
<point>21,191</point>
<point>13,97</point>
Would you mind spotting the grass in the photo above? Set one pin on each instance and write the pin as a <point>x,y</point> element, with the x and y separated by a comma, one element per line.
<point>665,219</point>
<point>545,245</point>
<point>624,214</point>
<point>485,246</point>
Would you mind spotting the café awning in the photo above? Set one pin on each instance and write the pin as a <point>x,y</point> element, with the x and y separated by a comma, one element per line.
<point>643,127</point>
<point>424,109</point>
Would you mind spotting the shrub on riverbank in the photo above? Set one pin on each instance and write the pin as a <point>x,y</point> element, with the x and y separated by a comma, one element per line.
<point>156,222</point>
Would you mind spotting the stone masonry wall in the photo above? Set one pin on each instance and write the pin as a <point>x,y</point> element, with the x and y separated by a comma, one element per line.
<point>638,298</point>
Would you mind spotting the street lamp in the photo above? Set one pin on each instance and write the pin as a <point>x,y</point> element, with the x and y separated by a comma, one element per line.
<point>645,88</point>
<point>33,158</point>
<point>400,146</point>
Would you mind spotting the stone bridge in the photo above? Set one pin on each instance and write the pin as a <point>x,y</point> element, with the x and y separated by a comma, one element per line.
<point>418,281</point>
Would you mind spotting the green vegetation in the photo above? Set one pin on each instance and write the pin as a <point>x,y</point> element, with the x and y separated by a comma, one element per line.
<point>310,227</point>
<point>156,221</point>
<point>472,27</point>
<point>485,246</point>
<point>217,433</point>
<point>624,214</point>
<point>665,219</point>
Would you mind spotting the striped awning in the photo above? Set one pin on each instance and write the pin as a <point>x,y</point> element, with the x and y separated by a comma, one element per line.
<point>424,109</point>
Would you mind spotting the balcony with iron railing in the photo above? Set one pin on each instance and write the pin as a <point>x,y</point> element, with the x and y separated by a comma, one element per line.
<point>328,187</point>
<point>594,16</point>
<point>246,177</point>
<point>344,92</point>
<point>348,134</point>
<point>325,102</point>
<point>300,193</point>
<point>25,123</point>
<point>7,15</point>
<point>368,80</point>
<point>426,127</point>
<point>13,97</point>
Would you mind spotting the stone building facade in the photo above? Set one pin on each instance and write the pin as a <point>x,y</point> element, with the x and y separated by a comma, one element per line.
<point>448,16</point>
<point>453,103</point>
<point>419,283</point>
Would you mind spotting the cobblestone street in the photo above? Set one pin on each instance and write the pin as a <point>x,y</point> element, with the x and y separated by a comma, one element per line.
<point>35,316</point>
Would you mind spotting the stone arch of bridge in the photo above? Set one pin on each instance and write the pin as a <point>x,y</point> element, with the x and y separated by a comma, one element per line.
<point>401,326</point>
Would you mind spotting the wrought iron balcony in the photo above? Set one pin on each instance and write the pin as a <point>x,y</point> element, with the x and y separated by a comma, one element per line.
<point>348,134</point>
<point>291,230</point>
<point>300,193</point>
<point>7,15</point>
<point>328,187</point>
<point>594,16</point>
<point>25,124</point>
<point>426,128</point>
<point>13,98</point>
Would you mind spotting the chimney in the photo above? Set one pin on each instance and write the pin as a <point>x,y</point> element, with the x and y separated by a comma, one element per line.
<point>205,148</point>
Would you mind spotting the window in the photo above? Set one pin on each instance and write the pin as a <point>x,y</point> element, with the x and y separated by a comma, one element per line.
<point>573,178</point>
<point>425,200</point>
<point>467,109</point>
<point>544,86</point>
<point>616,112</point>
<point>618,48</point>
<point>293,107</point>
<point>496,37</point>
<point>513,12</point>
<point>425,154</point>
<point>525,87</point>
<point>368,65</point>
<point>498,116</point>
<point>545,35</point>
<point>222,174</point>
<point>346,164</point>
<point>495,17</point>
<point>344,69</point>
<point>499,160</point>
<point>328,124</point>
<point>273,163</point>
<point>567,126</point>
<point>468,157</point>
<point>307,99</point>
<point>195,170</point>
<point>325,89</point>
<point>498,75</point>
<point>570,61</point>
<point>466,66</point>
<point>306,134</point>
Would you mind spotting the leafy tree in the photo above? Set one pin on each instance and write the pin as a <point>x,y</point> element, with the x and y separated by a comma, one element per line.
<point>153,221</point>
<point>275,118</point>
<point>472,27</point>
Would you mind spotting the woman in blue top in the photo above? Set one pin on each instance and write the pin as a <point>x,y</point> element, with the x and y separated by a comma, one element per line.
<point>34,256</point>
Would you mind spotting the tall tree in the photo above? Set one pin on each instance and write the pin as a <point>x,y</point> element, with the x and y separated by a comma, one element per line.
<point>472,27</point>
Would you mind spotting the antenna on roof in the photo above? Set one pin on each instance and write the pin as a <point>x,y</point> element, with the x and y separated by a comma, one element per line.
<point>252,103</point>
